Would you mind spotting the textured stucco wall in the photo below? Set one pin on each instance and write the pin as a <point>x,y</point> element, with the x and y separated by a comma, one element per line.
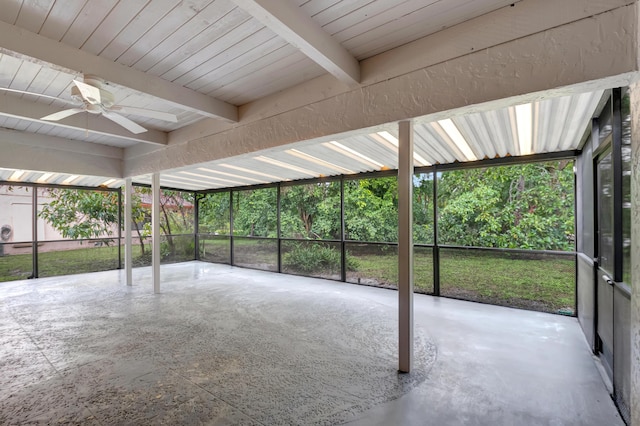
<point>635,255</point>
<point>594,52</point>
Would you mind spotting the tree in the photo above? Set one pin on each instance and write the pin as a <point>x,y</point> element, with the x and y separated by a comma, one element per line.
<point>371,209</point>
<point>79,214</point>
<point>311,211</point>
<point>254,213</point>
<point>528,206</point>
<point>83,214</point>
<point>214,215</point>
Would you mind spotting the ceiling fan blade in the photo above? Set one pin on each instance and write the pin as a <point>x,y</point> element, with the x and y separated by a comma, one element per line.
<point>158,115</point>
<point>89,93</point>
<point>56,116</point>
<point>124,122</point>
<point>24,92</point>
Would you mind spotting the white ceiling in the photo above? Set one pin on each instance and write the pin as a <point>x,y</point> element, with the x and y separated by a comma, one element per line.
<point>202,59</point>
<point>551,125</point>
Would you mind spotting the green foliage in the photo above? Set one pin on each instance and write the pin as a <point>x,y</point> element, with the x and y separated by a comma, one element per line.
<point>255,213</point>
<point>214,214</point>
<point>311,211</point>
<point>79,214</point>
<point>308,258</point>
<point>423,208</point>
<point>371,209</point>
<point>527,206</point>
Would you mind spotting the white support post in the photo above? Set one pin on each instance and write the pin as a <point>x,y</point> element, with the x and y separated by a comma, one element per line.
<point>405,245</point>
<point>128,245</point>
<point>635,256</point>
<point>155,231</point>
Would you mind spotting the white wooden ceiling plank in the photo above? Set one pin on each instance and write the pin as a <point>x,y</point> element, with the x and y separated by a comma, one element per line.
<point>282,78</point>
<point>246,75</point>
<point>209,69</point>
<point>117,19</point>
<point>353,11</point>
<point>206,24</point>
<point>60,18</point>
<point>199,49</point>
<point>11,122</point>
<point>359,23</point>
<point>41,83</point>
<point>180,14</point>
<point>312,8</point>
<point>140,24</point>
<point>21,125</point>
<point>10,10</point>
<point>239,67</point>
<point>299,29</point>
<point>25,75</point>
<point>60,85</point>
<point>33,14</point>
<point>92,14</point>
<point>428,20</point>
<point>248,84</point>
<point>34,127</point>
<point>66,57</point>
<point>9,67</point>
<point>183,72</point>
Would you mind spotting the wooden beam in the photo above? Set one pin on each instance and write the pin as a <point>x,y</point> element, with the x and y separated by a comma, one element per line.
<point>575,57</point>
<point>12,106</point>
<point>32,151</point>
<point>15,41</point>
<point>289,22</point>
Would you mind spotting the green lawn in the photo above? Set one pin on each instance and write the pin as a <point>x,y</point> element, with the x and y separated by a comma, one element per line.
<point>545,284</point>
<point>64,262</point>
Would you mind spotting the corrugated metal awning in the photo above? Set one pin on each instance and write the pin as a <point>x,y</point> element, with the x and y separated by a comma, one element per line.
<point>546,126</point>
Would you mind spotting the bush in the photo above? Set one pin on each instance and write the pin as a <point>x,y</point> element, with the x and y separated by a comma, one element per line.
<point>307,258</point>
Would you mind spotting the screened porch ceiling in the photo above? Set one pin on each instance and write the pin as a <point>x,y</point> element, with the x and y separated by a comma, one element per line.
<point>546,126</point>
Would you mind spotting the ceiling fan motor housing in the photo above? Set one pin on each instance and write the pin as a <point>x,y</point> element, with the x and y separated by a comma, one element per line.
<point>107,99</point>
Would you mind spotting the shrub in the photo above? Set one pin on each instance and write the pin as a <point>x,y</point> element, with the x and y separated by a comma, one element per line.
<point>307,258</point>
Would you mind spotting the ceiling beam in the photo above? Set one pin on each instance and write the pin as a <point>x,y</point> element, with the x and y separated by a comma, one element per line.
<point>30,151</point>
<point>15,107</point>
<point>292,24</point>
<point>15,40</point>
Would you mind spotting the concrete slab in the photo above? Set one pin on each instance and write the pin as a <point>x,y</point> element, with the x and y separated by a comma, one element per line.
<point>223,345</point>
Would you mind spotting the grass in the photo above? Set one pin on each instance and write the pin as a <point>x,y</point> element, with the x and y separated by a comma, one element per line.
<point>65,262</point>
<point>542,284</point>
<point>546,284</point>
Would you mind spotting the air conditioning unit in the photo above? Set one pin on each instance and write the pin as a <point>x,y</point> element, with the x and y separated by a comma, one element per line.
<point>5,233</point>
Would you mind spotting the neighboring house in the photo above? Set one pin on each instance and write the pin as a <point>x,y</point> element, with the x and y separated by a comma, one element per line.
<point>17,228</point>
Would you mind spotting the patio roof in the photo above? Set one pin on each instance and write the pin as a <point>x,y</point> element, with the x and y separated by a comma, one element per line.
<point>545,126</point>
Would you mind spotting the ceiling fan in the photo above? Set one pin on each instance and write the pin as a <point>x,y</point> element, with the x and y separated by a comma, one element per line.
<point>92,98</point>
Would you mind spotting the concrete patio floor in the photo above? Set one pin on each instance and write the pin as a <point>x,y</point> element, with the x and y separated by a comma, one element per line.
<point>224,345</point>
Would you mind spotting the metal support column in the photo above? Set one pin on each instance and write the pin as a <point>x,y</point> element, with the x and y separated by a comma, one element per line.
<point>119,228</point>
<point>405,245</point>
<point>343,245</point>
<point>34,231</point>
<point>128,243</point>
<point>278,230</point>
<point>196,225</point>
<point>436,247</point>
<point>155,233</point>
<point>634,345</point>
<point>231,254</point>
